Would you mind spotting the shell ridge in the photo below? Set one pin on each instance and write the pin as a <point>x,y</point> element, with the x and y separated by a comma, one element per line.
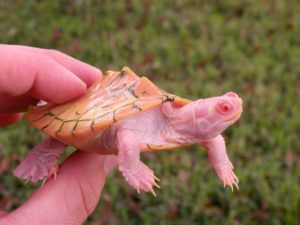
<point>116,96</point>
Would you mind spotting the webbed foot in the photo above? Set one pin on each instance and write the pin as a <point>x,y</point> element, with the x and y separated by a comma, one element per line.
<point>220,162</point>
<point>35,170</point>
<point>141,178</point>
<point>41,162</point>
<point>227,176</point>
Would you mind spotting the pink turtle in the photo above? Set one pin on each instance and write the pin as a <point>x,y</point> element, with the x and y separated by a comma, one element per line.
<point>123,114</point>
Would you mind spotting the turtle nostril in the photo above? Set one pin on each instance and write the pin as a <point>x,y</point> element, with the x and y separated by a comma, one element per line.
<point>231,94</point>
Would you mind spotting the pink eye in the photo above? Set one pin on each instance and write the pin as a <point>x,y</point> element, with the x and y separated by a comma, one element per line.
<point>224,107</point>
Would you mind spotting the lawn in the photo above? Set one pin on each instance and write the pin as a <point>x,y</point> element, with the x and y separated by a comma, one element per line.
<point>194,49</point>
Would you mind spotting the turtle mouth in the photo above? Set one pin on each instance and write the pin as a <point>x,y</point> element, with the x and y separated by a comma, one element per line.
<point>234,116</point>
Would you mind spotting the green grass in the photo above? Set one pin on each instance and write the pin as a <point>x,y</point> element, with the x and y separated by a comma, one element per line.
<point>194,49</point>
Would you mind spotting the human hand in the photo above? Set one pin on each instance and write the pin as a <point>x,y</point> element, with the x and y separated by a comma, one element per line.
<point>26,75</point>
<point>68,199</point>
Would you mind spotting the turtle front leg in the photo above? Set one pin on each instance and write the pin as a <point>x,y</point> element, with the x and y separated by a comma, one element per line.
<point>41,162</point>
<point>220,162</point>
<point>135,172</point>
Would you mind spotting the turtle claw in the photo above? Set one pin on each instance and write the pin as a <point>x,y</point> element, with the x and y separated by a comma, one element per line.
<point>141,178</point>
<point>229,179</point>
<point>27,180</point>
<point>152,191</point>
<point>35,170</point>
<point>55,173</point>
<point>44,181</point>
<point>156,185</point>
<point>41,162</point>
<point>237,186</point>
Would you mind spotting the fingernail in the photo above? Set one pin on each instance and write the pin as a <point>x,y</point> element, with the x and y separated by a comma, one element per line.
<point>97,71</point>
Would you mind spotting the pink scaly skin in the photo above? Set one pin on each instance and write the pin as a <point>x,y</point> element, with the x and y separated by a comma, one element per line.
<point>166,126</point>
<point>41,162</point>
<point>200,122</point>
<point>220,162</point>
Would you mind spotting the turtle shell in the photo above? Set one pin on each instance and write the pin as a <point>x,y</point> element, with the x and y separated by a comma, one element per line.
<point>116,96</point>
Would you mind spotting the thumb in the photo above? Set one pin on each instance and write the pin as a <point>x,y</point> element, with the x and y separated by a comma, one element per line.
<point>69,199</point>
<point>110,163</point>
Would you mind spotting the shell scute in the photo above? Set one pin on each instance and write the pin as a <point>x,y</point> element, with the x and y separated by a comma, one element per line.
<point>116,96</point>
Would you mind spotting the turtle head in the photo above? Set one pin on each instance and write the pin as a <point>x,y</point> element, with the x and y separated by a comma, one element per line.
<point>212,116</point>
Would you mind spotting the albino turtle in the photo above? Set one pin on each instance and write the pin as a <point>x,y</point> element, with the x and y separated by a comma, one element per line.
<point>123,114</point>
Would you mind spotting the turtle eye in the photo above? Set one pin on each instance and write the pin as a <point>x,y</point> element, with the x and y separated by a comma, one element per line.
<point>224,107</point>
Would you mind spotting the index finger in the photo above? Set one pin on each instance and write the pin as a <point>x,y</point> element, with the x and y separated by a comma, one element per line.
<point>87,73</point>
<point>23,71</point>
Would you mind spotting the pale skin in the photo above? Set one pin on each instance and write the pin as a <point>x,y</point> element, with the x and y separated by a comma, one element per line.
<point>166,126</point>
<point>76,191</point>
<point>200,122</point>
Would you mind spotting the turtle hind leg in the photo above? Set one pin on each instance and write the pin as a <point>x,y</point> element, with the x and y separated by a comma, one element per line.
<point>135,172</point>
<point>41,162</point>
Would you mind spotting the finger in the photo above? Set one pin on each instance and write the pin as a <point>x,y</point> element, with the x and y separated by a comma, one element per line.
<point>67,200</point>
<point>2,214</point>
<point>59,88</point>
<point>8,119</point>
<point>110,163</point>
<point>85,72</point>
<point>38,75</point>
<point>12,104</point>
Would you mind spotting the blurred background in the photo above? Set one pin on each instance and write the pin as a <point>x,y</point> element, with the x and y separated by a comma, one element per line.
<point>194,49</point>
